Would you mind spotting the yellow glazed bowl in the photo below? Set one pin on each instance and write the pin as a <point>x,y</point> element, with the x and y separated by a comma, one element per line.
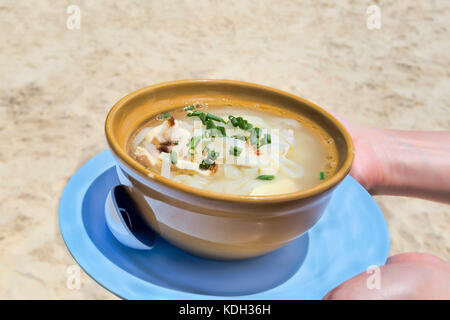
<point>206,223</point>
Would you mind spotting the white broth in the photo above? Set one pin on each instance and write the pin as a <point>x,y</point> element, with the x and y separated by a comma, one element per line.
<point>235,150</point>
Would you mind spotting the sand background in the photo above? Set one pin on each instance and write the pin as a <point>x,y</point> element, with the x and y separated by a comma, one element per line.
<point>56,86</point>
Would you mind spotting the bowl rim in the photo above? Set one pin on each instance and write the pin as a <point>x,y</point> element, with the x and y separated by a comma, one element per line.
<point>151,175</point>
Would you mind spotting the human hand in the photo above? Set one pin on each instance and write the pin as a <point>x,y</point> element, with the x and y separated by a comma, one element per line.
<point>406,276</point>
<point>404,163</point>
<point>367,166</point>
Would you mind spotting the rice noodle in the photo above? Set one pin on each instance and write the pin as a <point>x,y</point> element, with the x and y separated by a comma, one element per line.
<point>290,168</point>
<point>165,166</point>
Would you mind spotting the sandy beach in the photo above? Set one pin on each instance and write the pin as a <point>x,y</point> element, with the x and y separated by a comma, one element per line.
<point>57,85</point>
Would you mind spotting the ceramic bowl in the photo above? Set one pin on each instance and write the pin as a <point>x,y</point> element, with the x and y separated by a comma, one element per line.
<point>207,223</point>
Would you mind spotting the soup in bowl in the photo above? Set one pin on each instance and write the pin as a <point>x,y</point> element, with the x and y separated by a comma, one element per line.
<point>236,149</point>
<point>227,169</point>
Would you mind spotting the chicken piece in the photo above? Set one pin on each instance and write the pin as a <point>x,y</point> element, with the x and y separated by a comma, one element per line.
<point>171,130</point>
<point>144,157</point>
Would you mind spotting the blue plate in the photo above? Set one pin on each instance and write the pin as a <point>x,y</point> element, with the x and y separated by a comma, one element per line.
<point>351,236</point>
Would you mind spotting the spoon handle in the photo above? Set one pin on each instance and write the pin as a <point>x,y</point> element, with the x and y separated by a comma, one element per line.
<point>125,221</point>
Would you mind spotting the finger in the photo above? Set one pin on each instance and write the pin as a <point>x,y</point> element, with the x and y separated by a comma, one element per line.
<point>402,280</point>
<point>417,257</point>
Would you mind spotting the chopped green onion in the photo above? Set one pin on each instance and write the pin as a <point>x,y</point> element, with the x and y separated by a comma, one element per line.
<point>194,114</point>
<point>210,116</point>
<point>243,124</point>
<point>207,119</point>
<point>240,122</point>
<point>201,115</point>
<point>210,124</point>
<point>222,131</point>
<point>265,177</point>
<point>235,151</point>
<point>322,175</point>
<point>189,108</point>
<point>204,165</point>
<point>234,121</point>
<point>165,115</point>
<point>194,142</point>
<point>212,154</point>
<point>267,139</point>
<point>209,161</point>
<point>173,157</point>
<point>254,137</point>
